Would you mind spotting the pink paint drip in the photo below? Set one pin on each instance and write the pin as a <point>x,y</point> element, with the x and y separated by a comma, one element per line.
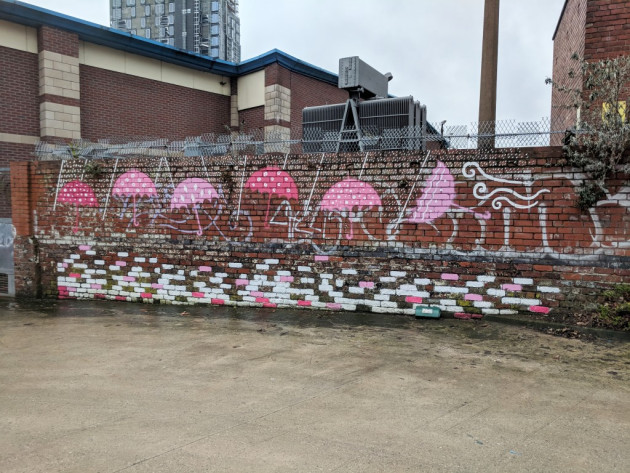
<point>539,309</point>
<point>413,300</point>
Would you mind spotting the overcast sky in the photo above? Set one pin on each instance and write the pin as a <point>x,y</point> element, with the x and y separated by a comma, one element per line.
<point>432,47</point>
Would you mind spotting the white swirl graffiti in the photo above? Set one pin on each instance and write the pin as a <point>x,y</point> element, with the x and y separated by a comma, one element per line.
<point>470,170</point>
<point>480,191</point>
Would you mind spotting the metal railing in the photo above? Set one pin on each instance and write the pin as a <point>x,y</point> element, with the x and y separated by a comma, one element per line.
<point>500,134</point>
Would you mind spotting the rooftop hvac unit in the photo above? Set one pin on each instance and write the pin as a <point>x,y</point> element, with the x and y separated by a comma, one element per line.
<point>357,76</point>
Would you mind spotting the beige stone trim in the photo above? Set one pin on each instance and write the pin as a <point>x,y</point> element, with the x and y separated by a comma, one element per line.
<point>63,121</point>
<point>277,103</point>
<point>251,90</point>
<point>140,66</point>
<point>59,75</point>
<point>234,111</point>
<point>15,36</point>
<point>274,136</point>
<point>18,139</point>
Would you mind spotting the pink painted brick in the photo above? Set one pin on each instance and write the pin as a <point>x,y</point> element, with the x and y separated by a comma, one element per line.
<point>99,296</point>
<point>146,295</point>
<point>241,282</point>
<point>511,287</point>
<point>332,305</point>
<point>157,286</point>
<point>217,301</point>
<point>198,294</point>
<point>269,305</point>
<point>205,269</point>
<point>121,298</point>
<point>321,258</point>
<point>462,315</point>
<point>95,286</point>
<point>129,278</point>
<point>121,263</point>
<point>413,299</point>
<point>540,309</point>
<point>304,303</point>
<point>74,275</point>
<point>256,294</point>
<point>286,279</point>
<point>64,265</point>
<point>85,247</point>
<point>263,300</point>
<point>366,284</point>
<point>473,297</point>
<point>450,277</point>
<point>477,316</point>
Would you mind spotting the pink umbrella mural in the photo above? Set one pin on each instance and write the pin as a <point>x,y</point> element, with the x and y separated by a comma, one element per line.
<point>350,194</point>
<point>437,197</point>
<point>81,195</point>
<point>273,181</point>
<point>134,184</point>
<point>193,192</point>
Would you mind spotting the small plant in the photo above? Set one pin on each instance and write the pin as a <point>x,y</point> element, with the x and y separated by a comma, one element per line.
<point>615,311</point>
<point>93,169</point>
<point>600,142</point>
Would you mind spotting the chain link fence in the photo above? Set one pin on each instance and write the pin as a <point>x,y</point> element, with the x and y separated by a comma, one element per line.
<point>276,139</point>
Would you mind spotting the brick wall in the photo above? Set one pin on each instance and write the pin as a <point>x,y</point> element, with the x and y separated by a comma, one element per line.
<point>569,40</point>
<point>19,90</point>
<point>252,119</point>
<point>119,105</point>
<point>474,235</point>
<point>607,29</point>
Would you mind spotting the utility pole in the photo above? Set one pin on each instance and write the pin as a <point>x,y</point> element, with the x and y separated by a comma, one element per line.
<point>488,88</point>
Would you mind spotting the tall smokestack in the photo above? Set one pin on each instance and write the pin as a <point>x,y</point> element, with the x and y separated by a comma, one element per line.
<point>488,88</point>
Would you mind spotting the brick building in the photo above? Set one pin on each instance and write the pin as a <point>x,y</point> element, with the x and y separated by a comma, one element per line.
<point>594,30</point>
<point>66,79</point>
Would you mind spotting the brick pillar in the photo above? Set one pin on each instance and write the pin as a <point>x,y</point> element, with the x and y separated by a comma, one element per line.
<point>59,84</point>
<point>277,104</point>
<point>25,248</point>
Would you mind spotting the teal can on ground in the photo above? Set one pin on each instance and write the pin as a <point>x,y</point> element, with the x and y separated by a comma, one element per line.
<point>428,311</point>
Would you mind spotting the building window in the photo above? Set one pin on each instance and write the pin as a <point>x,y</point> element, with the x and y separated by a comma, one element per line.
<point>214,52</point>
<point>147,10</point>
<point>214,29</point>
<point>214,41</point>
<point>131,3</point>
<point>171,19</point>
<point>171,30</point>
<point>214,18</point>
<point>133,12</point>
<point>171,7</point>
<point>143,22</point>
<point>214,6</point>
<point>159,9</point>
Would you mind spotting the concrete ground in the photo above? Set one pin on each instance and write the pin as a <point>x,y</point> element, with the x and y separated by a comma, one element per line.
<point>106,387</point>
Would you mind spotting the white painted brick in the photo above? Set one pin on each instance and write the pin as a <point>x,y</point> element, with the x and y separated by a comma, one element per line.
<point>282,273</point>
<point>90,271</point>
<point>326,276</point>
<point>272,261</point>
<point>139,259</point>
<point>75,257</point>
<point>101,271</point>
<point>133,274</point>
<point>348,306</point>
<point>307,280</point>
<point>122,254</point>
<point>340,282</point>
<point>496,292</point>
<point>490,311</point>
<point>117,288</point>
<point>249,298</point>
<point>71,261</point>
<point>475,284</point>
<point>99,262</point>
<point>548,289</point>
<point>318,305</point>
<point>325,287</point>
<point>398,274</point>
<point>221,275</point>
<point>422,281</point>
<point>486,278</point>
<point>114,268</point>
<point>152,260</point>
<point>304,269</point>
<point>61,270</point>
<point>90,252</point>
<point>215,280</point>
<point>335,294</point>
<point>312,298</point>
<point>520,301</point>
<point>508,312</point>
<point>280,290</point>
<point>179,277</point>
<point>348,271</point>
<point>451,289</point>
<point>482,304</point>
<point>80,265</point>
<point>524,281</point>
<point>199,284</point>
<point>262,266</point>
<point>260,277</point>
<point>448,302</point>
<point>381,297</point>
<point>357,290</point>
<point>180,272</point>
<point>145,275</point>
<point>225,286</point>
<point>389,292</point>
<point>136,268</point>
<point>389,305</point>
<point>252,287</point>
<point>157,270</point>
<point>167,266</point>
<point>235,265</point>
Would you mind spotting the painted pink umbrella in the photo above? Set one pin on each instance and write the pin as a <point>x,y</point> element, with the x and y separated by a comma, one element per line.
<point>350,194</point>
<point>81,195</point>
<point>134,184</point>
<point>437,197</point>
<point>193,192</point>
<point>273,181</point>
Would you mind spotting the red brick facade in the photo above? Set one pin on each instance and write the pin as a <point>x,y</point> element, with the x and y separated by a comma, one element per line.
<point>19,90</point>
<point>501,236</point>
<point>57,41</point>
